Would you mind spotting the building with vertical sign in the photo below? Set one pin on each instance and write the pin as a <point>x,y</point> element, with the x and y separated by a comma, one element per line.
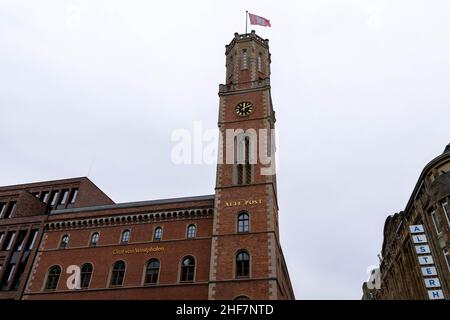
<point>415,258</point>
<point>220,246</point>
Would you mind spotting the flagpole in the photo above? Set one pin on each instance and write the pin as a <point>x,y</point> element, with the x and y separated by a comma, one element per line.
<point>246,18</point>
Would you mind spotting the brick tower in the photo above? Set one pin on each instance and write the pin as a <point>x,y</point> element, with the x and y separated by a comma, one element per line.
<point>246,257</point>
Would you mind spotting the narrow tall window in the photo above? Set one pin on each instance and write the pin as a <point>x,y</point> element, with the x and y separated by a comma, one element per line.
<point>2,234</point>
<point>248,166</point>
<point>152,272</point>
<point>244,59</point>
<point>191,231</point>
<point>158,234</point>
<point>118,274</point>
<point>231,67</point>
<point>446,212</point>
<point>260,66</point>
<point>242,264</point>
<point>10,210</point>
<point>436,223</point>
<point>447,258</point>
<point>7,245</point>
<point>86,275</point>
<point>64,242</point>
<point>7,276</point>
<point>31,239</point>
<point>20,240</point>
<point>243,222</point>
<point>44,196</point>
<point>54,198</point>
<point>187,269</point>
<point>2,208</point>
<point>52,278</point>
<point>243,158</point>
<point>94,239</point>
<point>125,236</point>
<point>63,199</point>
<point>72,198</point>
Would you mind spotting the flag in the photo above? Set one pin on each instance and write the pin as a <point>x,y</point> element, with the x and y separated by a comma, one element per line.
<point>254,19</point>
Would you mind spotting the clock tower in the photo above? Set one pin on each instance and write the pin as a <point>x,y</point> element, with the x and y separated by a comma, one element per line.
<point>246,257</point>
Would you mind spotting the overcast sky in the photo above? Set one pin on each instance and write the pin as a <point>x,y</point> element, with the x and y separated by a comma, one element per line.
<point>361,91</point>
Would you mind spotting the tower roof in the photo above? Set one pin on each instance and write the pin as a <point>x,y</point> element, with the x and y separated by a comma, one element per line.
<point>246,37</point>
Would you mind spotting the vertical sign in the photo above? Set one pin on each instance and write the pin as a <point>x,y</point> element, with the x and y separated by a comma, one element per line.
<point>426,262</point>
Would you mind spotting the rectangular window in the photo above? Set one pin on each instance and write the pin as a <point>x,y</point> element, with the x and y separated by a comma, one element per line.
<point>54,198</point>
<point>436,223</point>
<point>63,199</point>
<point>244,59</point>
<point>20,240</point>
<point>1,237</point>
<point>447,258</point>
<point>9,240</point>
<point>44,196</point>
<point>446,212</point>
<point>72,198</point>
<point>2,208</point>
<point>31,240</point>
<point>10,210</point>
<point>36,194</point>
<point>7,276</point>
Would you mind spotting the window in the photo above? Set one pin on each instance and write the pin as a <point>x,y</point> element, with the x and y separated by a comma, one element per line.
<point>31,240</point>
<point>7,276</point>
<point>10,210</point>
<point>447,213</point>
<point>86,275</point>
<point>54,198</point>
<point>152,272</point>
<point>187,269</point>
<point>64,242</point>
<point>44,196</point>
<point>191,231</point>
<point>9,240</point>
<point>245,153</point>
<point>20,240</point>
<point>63,199</point>
<point>94,239</point>
<point>158,234</point>
<point>436,223</point>
<point>118,274</point>
<point>242,264</point>
<point>52,278</point>
<point>242,298</point>
<point>260,62</point>
<point>19,273</point>
<point>447,257</point>
<point>1,237</point>
<point>244,59</point>
<point>243,222</point>
<point>2,208</point>
<point>72,198</point>
<point>230,67</point>
<point>125,236</point>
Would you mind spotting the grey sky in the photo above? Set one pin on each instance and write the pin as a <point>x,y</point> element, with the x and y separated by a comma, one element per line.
<point>361,91</point>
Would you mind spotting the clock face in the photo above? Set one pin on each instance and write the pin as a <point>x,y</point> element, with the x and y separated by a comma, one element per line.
<point>243,109</point>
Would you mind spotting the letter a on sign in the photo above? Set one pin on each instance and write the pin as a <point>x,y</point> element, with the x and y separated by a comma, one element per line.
<point>418,228</point>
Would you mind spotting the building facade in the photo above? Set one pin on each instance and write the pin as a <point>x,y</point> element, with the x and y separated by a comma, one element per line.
<point>221,246</point>
<point>415,260</point>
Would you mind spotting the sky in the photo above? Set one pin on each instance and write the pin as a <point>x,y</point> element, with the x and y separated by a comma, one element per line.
<point>361,91</point>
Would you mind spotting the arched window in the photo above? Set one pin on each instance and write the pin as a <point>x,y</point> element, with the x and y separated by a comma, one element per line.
<point>94,239</point>
<point>125,236</point>
<point>152,272</point>
<point>191,231</point>
<point>242,298</point>
<point>187,269</point>
<point>243,222</point>
<point>118,274</point>
<point>86,275</point>
<point>244,59</point>
<point>52,278</point>
<point>242,264</point>
<point>64,241</point>
<point>260,66</point>
<point>158,234</point>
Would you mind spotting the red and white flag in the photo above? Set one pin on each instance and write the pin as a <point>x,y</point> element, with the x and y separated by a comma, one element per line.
<point>260,21</point>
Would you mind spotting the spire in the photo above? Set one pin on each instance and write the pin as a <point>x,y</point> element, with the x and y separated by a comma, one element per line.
<point>447,149</point>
